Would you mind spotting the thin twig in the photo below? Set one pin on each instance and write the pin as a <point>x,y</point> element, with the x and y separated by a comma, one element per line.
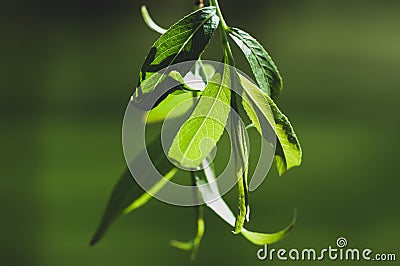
<point>199,3</point>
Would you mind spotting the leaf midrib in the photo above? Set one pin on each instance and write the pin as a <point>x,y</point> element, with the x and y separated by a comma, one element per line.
<point>255,55</point>
<point>188,39</point>
<point>184,44</point>
<point>206,117</point>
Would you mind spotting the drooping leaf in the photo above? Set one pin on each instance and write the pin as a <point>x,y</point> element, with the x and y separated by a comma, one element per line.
<point>241,156</point>
<point>257,107</point>
<point>184,41</point>
<point>264,69</point>
<point>200,133</point>
<point>241,161</point>
<point>150,22</point>
<point>127,195</point>
<point>209,190</point>
<point>145,197</point>
<point>288,153</point>
<point>193,244</point>
<point>264,112</point>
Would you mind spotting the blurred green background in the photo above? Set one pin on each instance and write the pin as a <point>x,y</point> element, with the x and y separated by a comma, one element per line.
<point>68,69</point>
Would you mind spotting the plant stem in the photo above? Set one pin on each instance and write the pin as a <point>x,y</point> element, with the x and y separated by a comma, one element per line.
<point>223,31</point>
<point>219,13</point>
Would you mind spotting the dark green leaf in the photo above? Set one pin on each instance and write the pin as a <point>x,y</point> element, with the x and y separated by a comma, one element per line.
<point>240,152</point>
<point>127,195</point>
<point>241,163</point>
<point>184,41</point>
<point>264,69</point>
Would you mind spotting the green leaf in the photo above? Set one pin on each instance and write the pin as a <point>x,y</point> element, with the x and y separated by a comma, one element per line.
<point>208,187</point>
<point>186,85</point>
<point>184,41</point>
<point>240,152</point>
<point>200,133</point>
<point>168,107</point>
<point>150,23</point>
<point>264,69</point>
<point>195,80</point>
<point>127,195</point>
<point>288,153</point>
<point>262,110</point>
<point>193,244</point>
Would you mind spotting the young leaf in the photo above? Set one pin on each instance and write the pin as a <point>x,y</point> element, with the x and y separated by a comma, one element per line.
<point>200,133</point>
<point>150,23</point>
<point>264,69</point>
<point>288,152</point>
<point>127,195</point>
<point>209,190</point>
<point>184,41</point>
<point>193,244</point>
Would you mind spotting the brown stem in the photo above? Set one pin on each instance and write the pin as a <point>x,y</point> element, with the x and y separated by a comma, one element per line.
<point>199,3</point>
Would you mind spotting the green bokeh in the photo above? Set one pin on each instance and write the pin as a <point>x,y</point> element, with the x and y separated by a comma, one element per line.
<point>68,69</point>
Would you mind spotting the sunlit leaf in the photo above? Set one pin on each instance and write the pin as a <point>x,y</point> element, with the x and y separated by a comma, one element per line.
<point>209,190</point>
<point>178,101</point>
<point>184,41</point>
<point>288,153</point>
<point>265,112</point>
<point>200,133</point>
<point>168,107</point>
<point>264,69</point>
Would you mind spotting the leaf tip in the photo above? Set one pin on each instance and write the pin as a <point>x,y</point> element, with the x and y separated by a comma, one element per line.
<point>94,240</point>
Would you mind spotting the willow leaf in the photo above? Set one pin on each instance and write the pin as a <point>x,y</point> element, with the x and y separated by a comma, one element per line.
<point>264,69</point>
<point>127,195</point>
<point>183,41</point>
<point>288,151</point>
<point>175,105</point>
<point>240,151</point>
<point>194,244</point>
<point>208,187</point>
<point>200,133</point>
